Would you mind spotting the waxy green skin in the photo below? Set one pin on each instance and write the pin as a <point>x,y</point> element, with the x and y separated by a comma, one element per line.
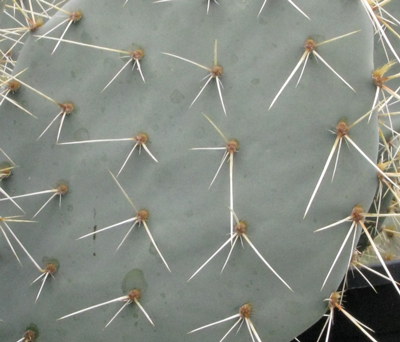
<point>282,153</point>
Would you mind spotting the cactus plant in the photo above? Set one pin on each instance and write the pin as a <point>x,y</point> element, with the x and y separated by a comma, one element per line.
<point>267,180</point>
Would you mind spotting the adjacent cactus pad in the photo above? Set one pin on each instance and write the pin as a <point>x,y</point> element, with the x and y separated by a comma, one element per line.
<point>141,178</point>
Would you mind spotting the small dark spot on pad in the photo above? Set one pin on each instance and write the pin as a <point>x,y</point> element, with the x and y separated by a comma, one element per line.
<point>176,96</point>
<point>134,279</point>
<point>81,134</point>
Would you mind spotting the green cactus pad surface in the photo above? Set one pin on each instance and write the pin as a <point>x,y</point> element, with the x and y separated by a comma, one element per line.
<point>281,155</point>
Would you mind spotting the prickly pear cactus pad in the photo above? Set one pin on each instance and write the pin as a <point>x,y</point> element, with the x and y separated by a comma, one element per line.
<point>272,156</point>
